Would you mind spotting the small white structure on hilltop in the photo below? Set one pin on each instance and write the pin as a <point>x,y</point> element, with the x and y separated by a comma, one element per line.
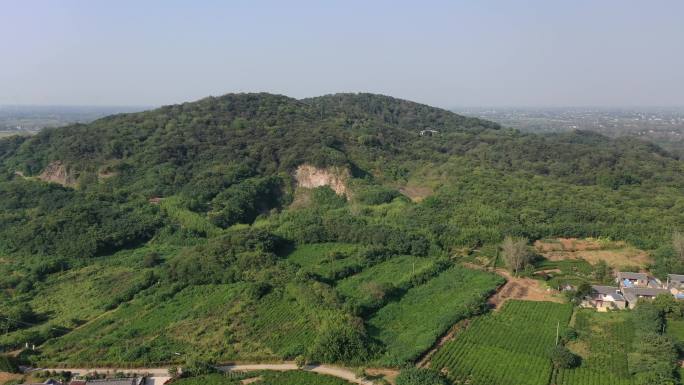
<point>428,132</point>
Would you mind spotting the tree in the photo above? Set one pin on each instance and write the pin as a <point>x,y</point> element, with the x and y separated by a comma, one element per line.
<point>563,358</point>
<point>151,259</point>
<point>420,376</point>
<point>515,253</point>
<point>678,244</point>
<point>667,304</point>
<point>653,360</point>
<point>602,272</point>
<point>340,341</point>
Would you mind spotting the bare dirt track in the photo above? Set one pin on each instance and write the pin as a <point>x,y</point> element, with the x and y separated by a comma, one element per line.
<point>335,371</point>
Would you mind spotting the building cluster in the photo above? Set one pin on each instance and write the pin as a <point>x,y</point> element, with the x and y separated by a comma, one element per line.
<point>632,287</point>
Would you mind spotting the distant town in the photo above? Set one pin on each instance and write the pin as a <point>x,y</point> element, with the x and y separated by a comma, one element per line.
<point>663,126</point>
<point>30,119</point>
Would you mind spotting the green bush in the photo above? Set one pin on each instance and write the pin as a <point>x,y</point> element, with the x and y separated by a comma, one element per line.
<point>563,358</point>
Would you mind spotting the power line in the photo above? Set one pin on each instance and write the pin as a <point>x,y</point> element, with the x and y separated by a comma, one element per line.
<point>31,324</point>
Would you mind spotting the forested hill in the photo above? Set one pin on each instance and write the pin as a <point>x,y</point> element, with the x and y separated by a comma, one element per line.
<point>162,150</point>
<point>248,226</point>
<point>270,133</point>
<point>231,158</point>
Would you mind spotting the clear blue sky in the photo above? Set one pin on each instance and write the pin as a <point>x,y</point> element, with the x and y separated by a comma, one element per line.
<point>445,53</point>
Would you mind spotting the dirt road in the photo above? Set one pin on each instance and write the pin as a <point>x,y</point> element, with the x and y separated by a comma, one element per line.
<point>335,371</point>
<point>161,375</point>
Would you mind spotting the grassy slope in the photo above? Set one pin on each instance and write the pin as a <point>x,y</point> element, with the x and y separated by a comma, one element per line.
<point>316,258</point>
<point>153,327</point>
<point>83,294</point>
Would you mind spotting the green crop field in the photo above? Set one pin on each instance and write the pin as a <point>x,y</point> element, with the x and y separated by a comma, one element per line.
<point>507,347</point>
<point>294,377</point>
<point>411,325</point>
<point>298,377</point>
<point>395,272</point>
<point>604,340</point>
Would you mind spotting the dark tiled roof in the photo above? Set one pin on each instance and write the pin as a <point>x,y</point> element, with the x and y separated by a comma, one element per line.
<point>675,277</point>
<point>628,275</point>
<point>607,290</point>
<point>632,294</point>
<point>114,381</point>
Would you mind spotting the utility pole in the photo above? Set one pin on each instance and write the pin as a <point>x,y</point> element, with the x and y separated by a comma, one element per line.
<point>557,332</point>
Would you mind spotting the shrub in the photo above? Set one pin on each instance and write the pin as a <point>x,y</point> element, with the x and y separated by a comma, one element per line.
<point>563,358</point>
<point>7,364</point>
<point>340,340</point>
<point>300,361</point>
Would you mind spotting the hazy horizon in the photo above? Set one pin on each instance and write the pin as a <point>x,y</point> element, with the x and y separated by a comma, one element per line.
<point>496,54</point>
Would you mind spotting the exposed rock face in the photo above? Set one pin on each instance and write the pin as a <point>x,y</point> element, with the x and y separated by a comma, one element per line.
<point>311,177</point>
<point>56,172</point>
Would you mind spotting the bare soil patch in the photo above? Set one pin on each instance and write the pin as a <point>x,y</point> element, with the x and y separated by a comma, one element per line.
<point>56,172</point>
<point>5,376</point>
<point>310,176</point>
<point>616,254</point>
<point>527,289</point>
<point>388,374</point>
<point>250,380</point>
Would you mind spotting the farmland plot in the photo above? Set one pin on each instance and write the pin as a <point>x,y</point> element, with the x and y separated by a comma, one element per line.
<point>604,340</point>
<point>508,347</point>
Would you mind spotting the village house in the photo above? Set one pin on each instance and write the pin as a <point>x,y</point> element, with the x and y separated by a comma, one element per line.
<point>634,294</point>
<point>675,284</point>
<point>627,279</point>
<point>604,298</point>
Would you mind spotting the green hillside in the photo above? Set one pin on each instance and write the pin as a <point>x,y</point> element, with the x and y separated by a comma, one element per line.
<point>189,230</point>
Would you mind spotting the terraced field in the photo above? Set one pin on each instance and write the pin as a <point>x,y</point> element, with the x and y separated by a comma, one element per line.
<point>283,324</point>
<point>507,347</point>
<point>397,272</point>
